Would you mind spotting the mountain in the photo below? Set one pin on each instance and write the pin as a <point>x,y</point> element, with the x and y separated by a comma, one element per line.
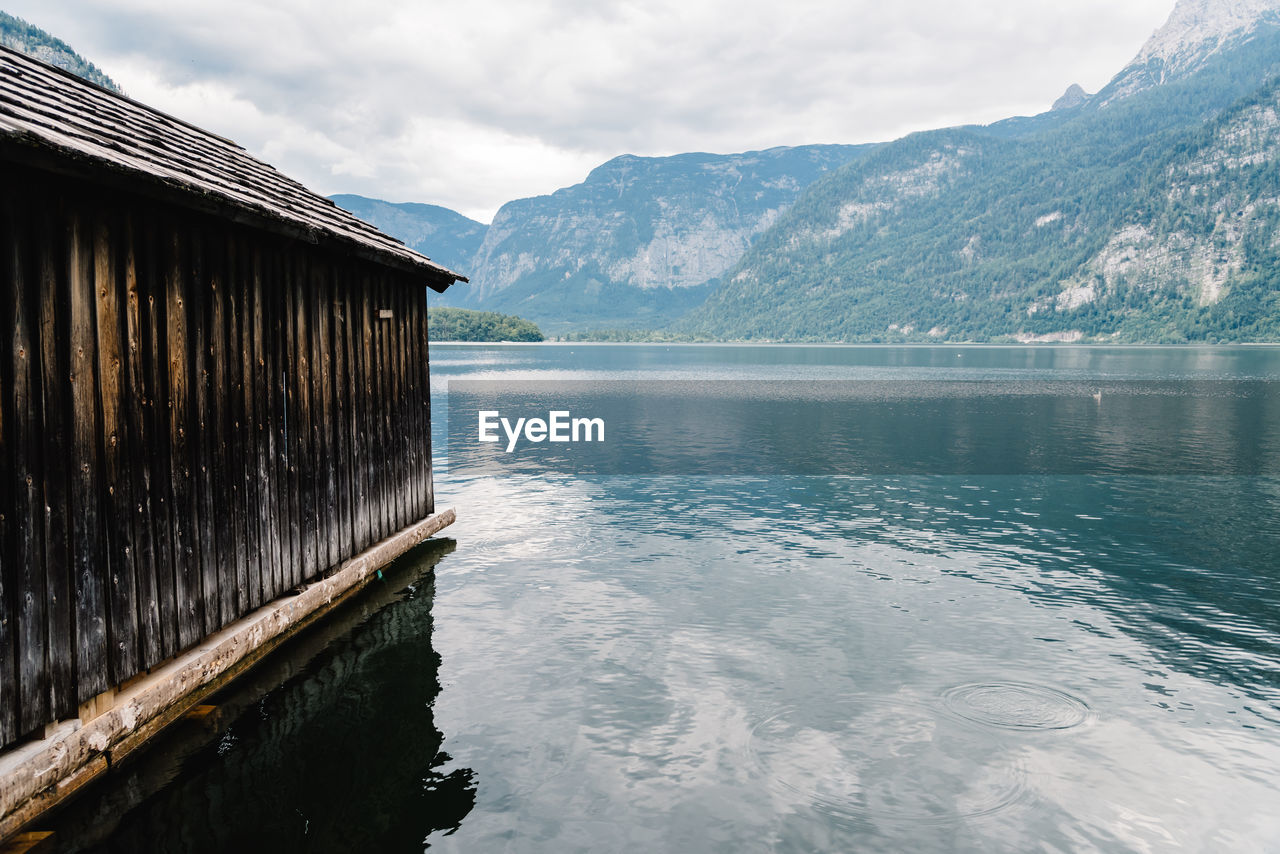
<point>641,240</point>
<point>1196,32</point>
<point>1070,99</point>
<point>446,237</point>
<point>17,34</point>
<point>1147,212</point>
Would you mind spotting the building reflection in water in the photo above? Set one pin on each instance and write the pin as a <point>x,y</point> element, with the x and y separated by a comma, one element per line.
<point>328,745</point>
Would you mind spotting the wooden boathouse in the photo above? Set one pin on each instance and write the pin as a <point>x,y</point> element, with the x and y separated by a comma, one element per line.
<point>213,402</point>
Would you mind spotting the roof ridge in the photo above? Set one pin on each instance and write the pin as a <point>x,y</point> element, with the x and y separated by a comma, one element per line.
<point>48,107</point>
<point>84,81</point>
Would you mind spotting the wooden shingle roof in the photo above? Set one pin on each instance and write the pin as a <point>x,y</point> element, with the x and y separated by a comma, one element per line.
<point>53,116</point>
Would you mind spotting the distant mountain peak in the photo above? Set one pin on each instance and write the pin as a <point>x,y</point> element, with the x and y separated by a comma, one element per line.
<point>17,34</point>
<point>1197,25</point>
<point>1073,97</point>
<point>1195,31</point>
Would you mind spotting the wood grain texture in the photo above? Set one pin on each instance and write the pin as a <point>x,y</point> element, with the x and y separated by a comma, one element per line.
<point>23,594</point>
<point>182,379</point>
<point>88,539</point>
<point>138,425</point>
<point>115,448</point>
<point>55,317</point>
<point>157,413</point>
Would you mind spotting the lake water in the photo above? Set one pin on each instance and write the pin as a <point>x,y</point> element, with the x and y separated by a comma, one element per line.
<point>781,662</point>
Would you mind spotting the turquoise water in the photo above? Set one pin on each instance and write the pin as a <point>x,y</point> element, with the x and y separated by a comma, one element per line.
<point>781,663</point>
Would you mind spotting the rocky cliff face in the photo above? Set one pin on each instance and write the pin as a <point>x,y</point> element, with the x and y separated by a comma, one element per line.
<point>642,238</point>
<point>1212,217</point>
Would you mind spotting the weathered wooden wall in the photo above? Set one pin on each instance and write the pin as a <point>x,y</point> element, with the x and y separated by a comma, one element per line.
<point>196,417</point>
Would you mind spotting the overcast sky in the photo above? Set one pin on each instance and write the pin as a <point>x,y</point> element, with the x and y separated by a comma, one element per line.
<point>472,104</point>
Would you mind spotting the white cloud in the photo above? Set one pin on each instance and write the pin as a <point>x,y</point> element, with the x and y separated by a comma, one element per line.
<point>470,105</point>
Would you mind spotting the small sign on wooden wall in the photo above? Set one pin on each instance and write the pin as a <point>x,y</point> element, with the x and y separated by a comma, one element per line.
<point>384,314</point>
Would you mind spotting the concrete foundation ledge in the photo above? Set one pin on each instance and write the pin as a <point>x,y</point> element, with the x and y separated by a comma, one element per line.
<point>37,775</point>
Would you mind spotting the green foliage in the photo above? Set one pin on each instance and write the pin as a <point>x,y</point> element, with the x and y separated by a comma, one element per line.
<point>460,324</point>
<point>630,336</point>
<point>17,34</point>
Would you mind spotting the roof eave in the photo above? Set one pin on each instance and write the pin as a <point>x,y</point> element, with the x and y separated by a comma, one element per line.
<point>22,146</point>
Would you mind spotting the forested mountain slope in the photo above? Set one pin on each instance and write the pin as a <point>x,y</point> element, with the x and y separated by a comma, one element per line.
<point>1147,215</point>
<point>637,242</point>
<point>17,34</point>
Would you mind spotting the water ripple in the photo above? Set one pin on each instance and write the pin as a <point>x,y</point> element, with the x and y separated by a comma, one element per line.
<point>1016,705</point>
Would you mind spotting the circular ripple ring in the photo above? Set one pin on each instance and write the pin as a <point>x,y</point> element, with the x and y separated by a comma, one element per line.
<point>1016,706</point>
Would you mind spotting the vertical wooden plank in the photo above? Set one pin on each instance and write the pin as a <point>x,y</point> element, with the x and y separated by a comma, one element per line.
<point>418,351</point>
<point>413,377</point>
<point>316,415</point>
<point>156,264</point>
<point>299,424</point>
<point>292,444</point>
<point>333,527</point>
<point>234,569</point>
<point>342,409</point>
<point>315,350</point>
<point>376,412</point>
<point>282,370</point>
<point>322,423</point>
<point>219,574</point>
<point>24,702</point>
<point>355,431</point>
<point>399,409</point>
<point>421,402</point>
<point>203,293</point>
<point>143,454</point>
<point>400,434</point>
<point>413,480</point>
<point>24,631</point>
<point>121,588</point>
<point>8,565</point>
<point>238,518</point>
<point>364,394</point>
<point>385,403</point>
<point>183,512</point>
<point>399,412</point>
<point>87,557</point>
<point>395,430</point>
<point>309,470</point>
<point>308,502</point>
<point>360,453</point>
<point>413,416</point>
<point>248,573</point>
<point>264,424</point>
<point>55,319</point>
<point>409,388</point>
<point>386,462</point>
<point>355,389</point>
